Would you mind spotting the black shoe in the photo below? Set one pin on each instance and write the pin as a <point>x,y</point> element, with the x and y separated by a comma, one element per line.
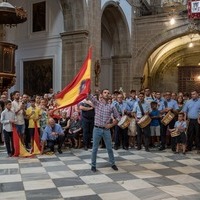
<point>162,148</point>
<point>147,149</point>
<point>85,148</point>
<point>115,147</point>
<point>59,151</point>
<point>93,169</point>
<point>189,149</point>
<point>114,167</point>
<point>184,153</point>
<point>139,148</point>
<point>125,148</point>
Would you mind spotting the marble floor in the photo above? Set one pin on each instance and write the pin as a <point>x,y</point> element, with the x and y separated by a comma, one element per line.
<point>142,175</point>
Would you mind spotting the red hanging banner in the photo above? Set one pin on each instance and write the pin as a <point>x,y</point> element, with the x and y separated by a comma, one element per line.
<point>194,9</point>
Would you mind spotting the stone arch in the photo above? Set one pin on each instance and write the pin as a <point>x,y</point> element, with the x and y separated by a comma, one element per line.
<point>144,52</point>
<point>115,47</point>
<point>75,14</point>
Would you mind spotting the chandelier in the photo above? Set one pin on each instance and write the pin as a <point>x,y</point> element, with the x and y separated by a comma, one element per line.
<point>173,5</point>
<point>10,15</point>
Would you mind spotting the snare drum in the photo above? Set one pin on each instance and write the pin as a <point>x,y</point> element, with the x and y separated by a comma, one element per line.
<point>144,121</point>
<point>124,122</point>
<point>175,133</point>
<point>168,118</point>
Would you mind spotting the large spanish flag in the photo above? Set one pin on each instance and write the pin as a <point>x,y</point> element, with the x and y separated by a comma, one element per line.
<point>19,149</point>
<point>78,89</point>
<point>36,142</point>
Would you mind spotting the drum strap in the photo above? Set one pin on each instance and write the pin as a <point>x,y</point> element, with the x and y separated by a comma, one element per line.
<point>166,104</point>
<point>141,108</point>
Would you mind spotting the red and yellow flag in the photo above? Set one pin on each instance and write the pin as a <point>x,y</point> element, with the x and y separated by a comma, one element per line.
<point>78,89</point>
<point>36,142</point>
<point>19,149</point>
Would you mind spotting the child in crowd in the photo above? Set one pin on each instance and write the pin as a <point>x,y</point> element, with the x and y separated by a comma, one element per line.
<point>180,130</point>
<point>155,123</point>
<point>8,119</point>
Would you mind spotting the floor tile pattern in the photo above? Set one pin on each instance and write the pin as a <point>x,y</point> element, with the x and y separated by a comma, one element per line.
<point>142,175</point>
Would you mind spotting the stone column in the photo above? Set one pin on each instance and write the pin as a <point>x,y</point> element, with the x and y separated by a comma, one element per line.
<point>122,73</point>
<point>74,50</point>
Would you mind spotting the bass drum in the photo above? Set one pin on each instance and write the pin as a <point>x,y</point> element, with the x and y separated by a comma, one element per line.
<point>124,122</point>
<point>144,121</point>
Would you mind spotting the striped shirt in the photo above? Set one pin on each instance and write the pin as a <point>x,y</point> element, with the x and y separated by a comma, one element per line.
<point>103,112</point>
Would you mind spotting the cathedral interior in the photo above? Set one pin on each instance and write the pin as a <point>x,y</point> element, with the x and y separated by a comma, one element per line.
<point>138,44</point>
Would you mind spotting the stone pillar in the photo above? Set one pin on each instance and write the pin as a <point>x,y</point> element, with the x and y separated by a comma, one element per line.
<point>122,73</point>
<point>75,47</point>
<point>2,34</point>
<point>137,82</point>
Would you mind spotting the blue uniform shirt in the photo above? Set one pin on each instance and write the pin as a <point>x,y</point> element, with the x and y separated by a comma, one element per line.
<point>181,124</point>
<point>192,108</point>
<point>137,110</point>
<point>47,133</point>
<point>121,107</point>
<point>160,103</point>
<point>131,102</point>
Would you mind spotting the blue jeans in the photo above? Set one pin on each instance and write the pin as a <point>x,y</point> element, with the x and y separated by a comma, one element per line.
<point>99,133</point>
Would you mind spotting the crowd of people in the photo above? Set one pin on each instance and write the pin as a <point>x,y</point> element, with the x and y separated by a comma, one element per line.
<point>118,120</point>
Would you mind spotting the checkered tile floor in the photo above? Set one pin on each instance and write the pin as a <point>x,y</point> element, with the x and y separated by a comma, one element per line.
<point>142,175</point>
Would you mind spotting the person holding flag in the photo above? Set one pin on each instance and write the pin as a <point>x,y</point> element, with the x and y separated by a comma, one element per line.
<point>102,124</point>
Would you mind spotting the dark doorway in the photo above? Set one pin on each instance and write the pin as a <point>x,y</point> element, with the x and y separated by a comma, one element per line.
<point>38,76</point>
<point>188,78</point>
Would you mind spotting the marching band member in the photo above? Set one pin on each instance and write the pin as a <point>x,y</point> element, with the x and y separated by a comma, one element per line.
<point>122,108</point>
<point>169,104</point>
<point>192,111</point>
<point>141,109</point>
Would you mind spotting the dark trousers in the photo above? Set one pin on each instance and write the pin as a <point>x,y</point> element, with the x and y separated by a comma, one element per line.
<point>8,138</point>
<point>32,132</point>
<point>163,135</point>
<point>52,143</point>
<point>87,127</point>
<point>26,134</point>
<point>146,132</point>
<point>193,134</point>
<point>121,134</point>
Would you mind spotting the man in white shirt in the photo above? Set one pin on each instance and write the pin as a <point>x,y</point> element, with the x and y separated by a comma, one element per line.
<point>18,108</point>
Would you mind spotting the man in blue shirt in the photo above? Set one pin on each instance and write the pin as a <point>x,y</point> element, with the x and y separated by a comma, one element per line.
<point>192,111</point>
<point>132,100</point>
<point>140,109</point>
<point>53,133</point>
<point>122,108</point>
<point>169,104</point>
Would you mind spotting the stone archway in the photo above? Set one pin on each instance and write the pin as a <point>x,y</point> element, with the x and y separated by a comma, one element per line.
<point>148,44</point>
<point>168,62</point>
<point>115,48</point>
